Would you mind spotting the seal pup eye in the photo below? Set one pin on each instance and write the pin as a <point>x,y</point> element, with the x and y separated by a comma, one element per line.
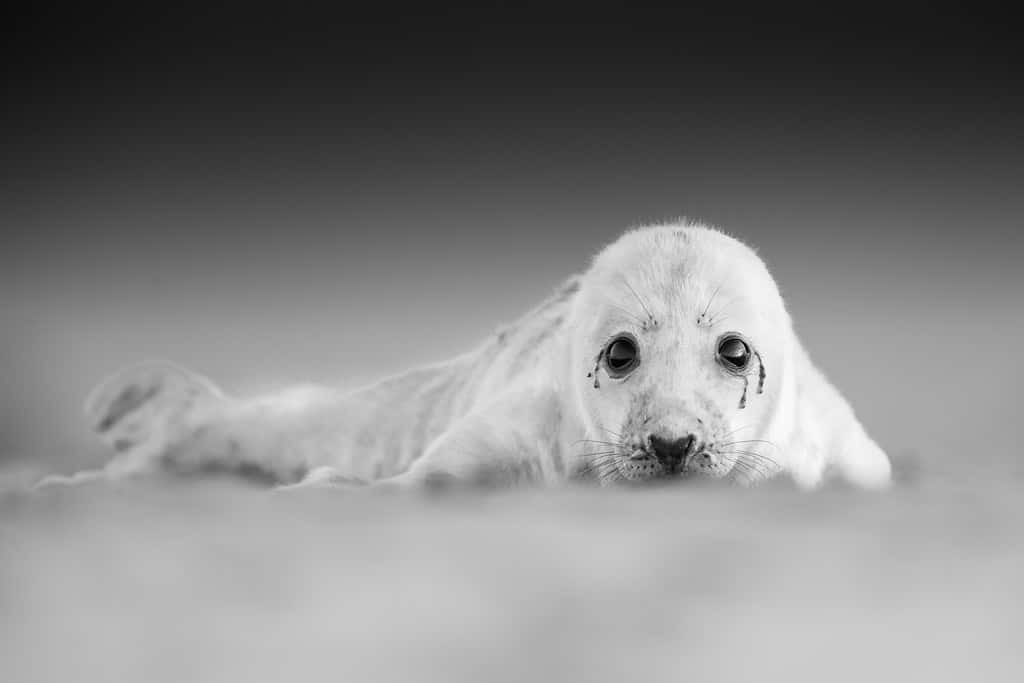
<point>734,354</point>
<point>621,356</point>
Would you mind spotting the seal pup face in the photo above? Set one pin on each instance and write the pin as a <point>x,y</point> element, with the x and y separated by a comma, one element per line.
<point>679,344</point>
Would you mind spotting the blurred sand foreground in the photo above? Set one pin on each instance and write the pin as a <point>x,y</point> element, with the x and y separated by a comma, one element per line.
<point>213,582</point>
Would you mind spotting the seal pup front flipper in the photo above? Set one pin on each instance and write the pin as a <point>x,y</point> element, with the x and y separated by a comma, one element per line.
<point>512,441</point>
<point>830,438</point>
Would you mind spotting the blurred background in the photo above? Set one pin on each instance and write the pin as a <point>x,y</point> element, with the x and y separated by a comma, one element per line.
<point>273,196</point>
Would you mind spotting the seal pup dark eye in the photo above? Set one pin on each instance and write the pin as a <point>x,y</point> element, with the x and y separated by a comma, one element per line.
<point>734,354</point>
<point>621,356</point>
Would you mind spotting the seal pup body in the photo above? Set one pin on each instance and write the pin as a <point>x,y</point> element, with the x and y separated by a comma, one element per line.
<point>671,357</point>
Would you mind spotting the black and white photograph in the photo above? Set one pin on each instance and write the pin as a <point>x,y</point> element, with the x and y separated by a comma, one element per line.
<point>511,343</point>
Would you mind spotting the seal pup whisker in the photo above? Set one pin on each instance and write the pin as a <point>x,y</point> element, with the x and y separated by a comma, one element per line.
<point>703,317</point>
<point>605,443</point>
<point>603,465</point>
<point>632,316</point>
<point>755,459</point>
<point>753,474</point>
<point>643,305</point>
<point>617,435</point>
<point>735,443</point>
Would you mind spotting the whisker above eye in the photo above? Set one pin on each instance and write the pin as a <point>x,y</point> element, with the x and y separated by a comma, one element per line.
<point>633,316</point>
<point>641,301</point>
<point>704,313</point>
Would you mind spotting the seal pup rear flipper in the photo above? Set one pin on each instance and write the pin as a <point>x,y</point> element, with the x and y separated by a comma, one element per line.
<point>139,412</point>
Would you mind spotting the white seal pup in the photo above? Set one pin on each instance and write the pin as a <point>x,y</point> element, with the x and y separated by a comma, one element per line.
<point>671,357</point>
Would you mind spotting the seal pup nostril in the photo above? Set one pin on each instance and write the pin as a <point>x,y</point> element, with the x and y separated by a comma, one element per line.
<point>672,453</point>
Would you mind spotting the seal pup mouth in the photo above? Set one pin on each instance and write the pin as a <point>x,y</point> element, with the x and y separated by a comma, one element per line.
<point>654,459</point>
<point>660,459</point>
<point>657,458</point>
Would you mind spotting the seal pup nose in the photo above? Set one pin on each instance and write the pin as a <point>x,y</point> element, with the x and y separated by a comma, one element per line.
<point>672,453</point>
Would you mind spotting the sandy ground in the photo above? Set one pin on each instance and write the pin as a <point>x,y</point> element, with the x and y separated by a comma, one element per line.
<point>214,582</point>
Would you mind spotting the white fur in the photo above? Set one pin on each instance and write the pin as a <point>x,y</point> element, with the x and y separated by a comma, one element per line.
<point>521,407</point>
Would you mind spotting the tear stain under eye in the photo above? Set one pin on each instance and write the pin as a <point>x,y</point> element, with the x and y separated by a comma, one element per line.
<point>761,375</point>
<point>593,373</point>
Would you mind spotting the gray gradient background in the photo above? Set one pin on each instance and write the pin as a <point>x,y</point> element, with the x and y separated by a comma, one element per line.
<point>275,199</point>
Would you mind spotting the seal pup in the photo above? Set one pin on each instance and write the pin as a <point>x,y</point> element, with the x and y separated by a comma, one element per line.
<point>671,357</point>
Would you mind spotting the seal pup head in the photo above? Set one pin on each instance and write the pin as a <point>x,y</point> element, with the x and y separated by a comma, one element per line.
<point>683,351</point>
